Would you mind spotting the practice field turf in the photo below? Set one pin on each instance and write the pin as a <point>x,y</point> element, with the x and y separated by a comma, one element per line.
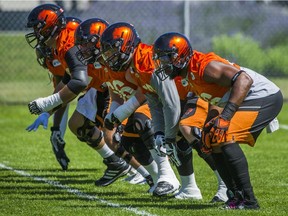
<point>32,183</point>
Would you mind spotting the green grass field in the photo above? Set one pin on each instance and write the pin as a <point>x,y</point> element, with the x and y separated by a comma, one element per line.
<point>31,182</point>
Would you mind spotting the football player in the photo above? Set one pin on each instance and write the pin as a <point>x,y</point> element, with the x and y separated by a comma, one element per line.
<point>87,38</point>
<point>48,22</point>
<point>118,44</point>
<point>140,71</point>
<point>241,101</point>
<point>47,58</point>
<point>194,112</point>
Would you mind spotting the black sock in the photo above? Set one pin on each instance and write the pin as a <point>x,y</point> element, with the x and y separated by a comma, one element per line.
<point>223,171</point>
<point>210,161</point>
<point>186,157</point>
<point>238,166</point>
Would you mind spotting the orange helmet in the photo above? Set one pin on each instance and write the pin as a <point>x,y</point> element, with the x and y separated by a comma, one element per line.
<point>117,45</point>
<point>87,37</point>
<point>171,53</point>
<point>43,51</point>
<point>46,21</point>
<point>72,22</point>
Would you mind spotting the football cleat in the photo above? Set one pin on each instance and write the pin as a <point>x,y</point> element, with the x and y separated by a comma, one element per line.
<point>135,178</point>
<point>164,188</point>
<point>248,205</point>
<point>114,171</point>
<point>238,201</point>
<point>189,193</point>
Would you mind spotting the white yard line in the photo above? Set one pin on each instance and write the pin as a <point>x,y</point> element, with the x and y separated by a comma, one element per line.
<point>77,192</point>
<point>285,127</point>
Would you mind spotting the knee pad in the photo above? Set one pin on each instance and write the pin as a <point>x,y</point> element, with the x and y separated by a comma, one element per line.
<point>198,145</point>
<point>120,151</point>
<point>85,133</point>
<point>143,126</point>
<point>95,143</point>
<point>86,130</point>
<point>183,148</point>
<point>196,132</point>
<point>137,148</point>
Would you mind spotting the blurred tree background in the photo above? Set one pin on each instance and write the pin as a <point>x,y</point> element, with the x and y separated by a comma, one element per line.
<point>251,33</point>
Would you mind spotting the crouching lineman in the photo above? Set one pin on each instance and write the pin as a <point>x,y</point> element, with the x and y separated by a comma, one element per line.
<point>87,38</point>
<point>47,58</point>
<point>118,44</point>
<point>48,22</point>
<point>241,101</point>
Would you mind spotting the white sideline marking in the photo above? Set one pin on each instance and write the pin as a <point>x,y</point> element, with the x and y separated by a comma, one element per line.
<point>284,126</point>
<point>77,192</point>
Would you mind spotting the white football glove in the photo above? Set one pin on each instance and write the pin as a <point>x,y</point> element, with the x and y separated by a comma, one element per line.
<point>165,148</point>
<point>46,104</point>
<point>159,143</point>
<point>171,152</point>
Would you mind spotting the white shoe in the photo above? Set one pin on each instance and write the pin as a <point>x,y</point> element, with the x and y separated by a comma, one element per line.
<point>221,195</point>
<point>189,193</point>
<point>137,178</point>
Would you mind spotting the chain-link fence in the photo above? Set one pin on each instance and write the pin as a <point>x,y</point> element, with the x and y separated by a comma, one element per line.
<point>242,31</point>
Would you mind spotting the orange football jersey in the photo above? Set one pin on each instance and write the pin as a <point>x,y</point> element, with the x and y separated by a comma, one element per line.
<point>65,41</point>
<point>54,65</point>
<point>119,85</point>
<point>99,76</point>
<point>210,92</point>
<point>145,67</point>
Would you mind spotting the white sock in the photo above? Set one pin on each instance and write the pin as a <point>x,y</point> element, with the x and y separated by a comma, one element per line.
<point>153,170</point>
<point>63,123</point>
<point>219,179</point>
<point>141,169</point>
<point>165,171</point>
<point>188,181</point>
<point>105,151</point>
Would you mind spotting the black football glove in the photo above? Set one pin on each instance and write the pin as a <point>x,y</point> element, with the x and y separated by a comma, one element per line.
<point>58,145</point>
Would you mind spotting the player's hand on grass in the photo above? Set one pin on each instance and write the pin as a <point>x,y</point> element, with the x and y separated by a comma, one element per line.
<point>58,145</point>
<point>41,120</point>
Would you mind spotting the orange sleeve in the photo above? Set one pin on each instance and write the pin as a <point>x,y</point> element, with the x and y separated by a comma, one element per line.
<point>207,58</point>
<point>64,42</point>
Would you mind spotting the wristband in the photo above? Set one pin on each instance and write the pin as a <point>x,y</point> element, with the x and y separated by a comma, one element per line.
<point>55,128</point>
<point>113,106</point>
<point>229,111</point>
<point>48,103</point>
<point>125,110</point>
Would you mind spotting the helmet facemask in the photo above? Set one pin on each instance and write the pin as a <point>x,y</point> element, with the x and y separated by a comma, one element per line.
<point>117,44</point>
<point>87,39</point>
<point>88,50</point>
<point>113,56</point>
<point>43,52</point>
<point>168,64</point>
<point>172,53</point>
